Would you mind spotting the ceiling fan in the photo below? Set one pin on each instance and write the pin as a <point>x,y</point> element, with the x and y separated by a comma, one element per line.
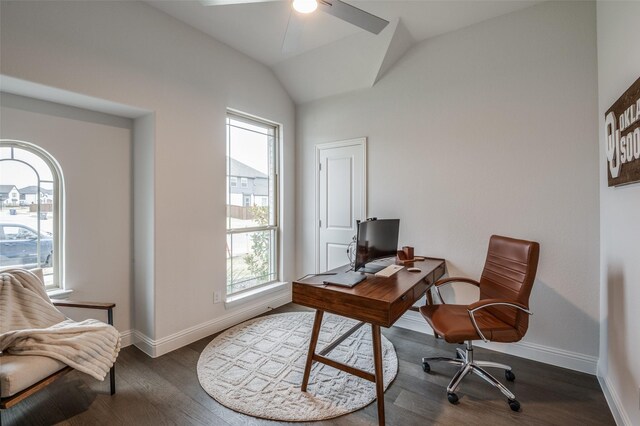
<point>337,8</point>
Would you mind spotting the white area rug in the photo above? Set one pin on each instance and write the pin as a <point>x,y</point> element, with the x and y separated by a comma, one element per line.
<point>256,368</point>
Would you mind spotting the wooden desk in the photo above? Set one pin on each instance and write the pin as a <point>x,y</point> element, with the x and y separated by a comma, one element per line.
<point>378,301</point>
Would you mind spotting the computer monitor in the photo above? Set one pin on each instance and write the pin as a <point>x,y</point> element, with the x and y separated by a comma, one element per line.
<point>376,239</point>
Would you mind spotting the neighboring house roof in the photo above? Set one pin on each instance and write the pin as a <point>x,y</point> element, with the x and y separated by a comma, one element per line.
<point>242,170</point>
<point>6,189</point>
<point>34,190</point>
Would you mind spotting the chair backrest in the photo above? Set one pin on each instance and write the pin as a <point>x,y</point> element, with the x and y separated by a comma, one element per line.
<point>509,272</point>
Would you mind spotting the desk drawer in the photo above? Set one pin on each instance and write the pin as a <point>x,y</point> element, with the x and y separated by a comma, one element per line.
<point>400,306</point>
<point>439,272</point>
<point>421,287</point>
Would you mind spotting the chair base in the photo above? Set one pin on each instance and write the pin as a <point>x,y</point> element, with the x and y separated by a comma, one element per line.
<point>464,359</point>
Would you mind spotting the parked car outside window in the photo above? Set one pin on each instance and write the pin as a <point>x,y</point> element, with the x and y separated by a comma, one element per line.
<point>19,246</point>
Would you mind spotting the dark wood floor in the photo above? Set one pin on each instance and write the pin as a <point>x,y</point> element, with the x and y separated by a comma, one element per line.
<point>166,390</point>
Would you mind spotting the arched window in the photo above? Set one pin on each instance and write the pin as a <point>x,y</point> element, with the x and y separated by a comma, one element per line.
<point>31,210</point>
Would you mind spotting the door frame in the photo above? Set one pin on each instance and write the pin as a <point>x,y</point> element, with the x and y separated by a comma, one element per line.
<point>360,142</point>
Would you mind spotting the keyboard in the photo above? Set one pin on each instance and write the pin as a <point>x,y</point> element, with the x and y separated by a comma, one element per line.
<point>389,270</point>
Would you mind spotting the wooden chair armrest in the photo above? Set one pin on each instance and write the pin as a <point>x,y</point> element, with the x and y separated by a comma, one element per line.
<point>86,305</point>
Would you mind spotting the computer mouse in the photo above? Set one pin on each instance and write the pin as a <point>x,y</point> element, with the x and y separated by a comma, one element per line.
<point>414,269</point>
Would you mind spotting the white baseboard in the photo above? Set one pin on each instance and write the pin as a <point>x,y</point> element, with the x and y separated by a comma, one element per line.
<point>156,348</point>
<point>144,343</point>
<point>533,351</point>
<point>613,400</point>
<point>126,338</point>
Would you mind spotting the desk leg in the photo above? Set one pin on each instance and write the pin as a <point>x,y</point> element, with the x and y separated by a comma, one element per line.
<point>317,323</point>
<point>377,360</point>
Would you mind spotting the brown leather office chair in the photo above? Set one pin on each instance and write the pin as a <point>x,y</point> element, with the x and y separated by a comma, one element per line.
<point>501,314</point>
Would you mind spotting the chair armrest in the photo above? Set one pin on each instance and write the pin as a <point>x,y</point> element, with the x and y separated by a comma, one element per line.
<point>484,303</point>
<point>491,302</point>
<point>456,279</point>
<point>88,305</point>
<point>451,280</point>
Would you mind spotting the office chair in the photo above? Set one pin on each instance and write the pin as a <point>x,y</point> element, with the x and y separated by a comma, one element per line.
<point>501,314</point>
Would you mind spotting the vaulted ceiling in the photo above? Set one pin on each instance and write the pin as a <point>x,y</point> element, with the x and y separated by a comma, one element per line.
<point>329,56</point>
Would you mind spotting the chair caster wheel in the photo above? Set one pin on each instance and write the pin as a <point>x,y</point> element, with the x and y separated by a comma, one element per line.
<point>508,374</point>
<point>426,367</point>
<point>453,398</point>
<point>514,405</point>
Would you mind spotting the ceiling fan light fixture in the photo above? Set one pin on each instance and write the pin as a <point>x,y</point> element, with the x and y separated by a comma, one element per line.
<point>305,6</point>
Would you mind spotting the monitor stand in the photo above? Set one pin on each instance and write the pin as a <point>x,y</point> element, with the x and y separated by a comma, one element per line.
<point>371,269</point>
<point>376,266</point>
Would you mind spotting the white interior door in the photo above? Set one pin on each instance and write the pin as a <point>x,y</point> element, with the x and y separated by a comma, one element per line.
<point>341,199</point>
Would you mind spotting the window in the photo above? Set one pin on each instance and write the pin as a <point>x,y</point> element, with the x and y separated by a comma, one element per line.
<point>252,228</point>
<point>30,210</point>
<point>233,181</point>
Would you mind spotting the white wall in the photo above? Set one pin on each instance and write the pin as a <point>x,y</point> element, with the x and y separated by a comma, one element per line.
<point>133,54</point>
<point>94,153</point>
<point>144,292</point>
<point>619,367</point>
<point>487,130</point>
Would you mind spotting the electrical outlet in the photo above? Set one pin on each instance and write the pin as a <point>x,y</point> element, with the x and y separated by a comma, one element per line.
<point>216,297</point>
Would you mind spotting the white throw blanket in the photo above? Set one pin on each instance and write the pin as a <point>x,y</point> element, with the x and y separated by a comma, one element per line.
<point>31,325</point>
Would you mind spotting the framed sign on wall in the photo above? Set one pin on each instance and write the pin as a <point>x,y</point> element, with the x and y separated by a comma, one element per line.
<point>622,135</point>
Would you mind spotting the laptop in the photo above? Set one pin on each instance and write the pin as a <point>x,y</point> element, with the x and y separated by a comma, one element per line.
<point>346,279</point>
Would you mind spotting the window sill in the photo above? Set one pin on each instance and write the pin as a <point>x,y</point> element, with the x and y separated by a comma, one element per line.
<point>58,293</point>
<point>240,299</point>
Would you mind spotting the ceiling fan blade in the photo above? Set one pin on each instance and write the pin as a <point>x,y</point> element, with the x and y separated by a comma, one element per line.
<point>292,35</point>
<point>226,2</point>
<point>353,15</point>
